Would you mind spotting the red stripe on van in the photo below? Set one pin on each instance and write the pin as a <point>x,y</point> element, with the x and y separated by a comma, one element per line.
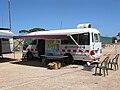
<point>81,51</point>
<point>68,50</point>
<point>74,50</point>
<point>87,51</point>
<point>63,50</point>
<point>92,52</point>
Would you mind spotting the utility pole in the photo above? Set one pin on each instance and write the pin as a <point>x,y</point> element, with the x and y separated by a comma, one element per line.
<point>9,14</point>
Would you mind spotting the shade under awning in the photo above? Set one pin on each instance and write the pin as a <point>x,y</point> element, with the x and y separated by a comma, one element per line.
<point>41,37</point>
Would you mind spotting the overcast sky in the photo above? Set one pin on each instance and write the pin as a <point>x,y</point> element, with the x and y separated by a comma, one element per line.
<point>48,14</point>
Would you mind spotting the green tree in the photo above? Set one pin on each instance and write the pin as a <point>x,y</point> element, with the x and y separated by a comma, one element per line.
<point>23,31</point>
<point>113,39</point>
<point>36,29</point>
<point>31,30</point>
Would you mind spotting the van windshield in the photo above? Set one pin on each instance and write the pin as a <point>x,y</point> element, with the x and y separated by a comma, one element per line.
<point>81,39</point>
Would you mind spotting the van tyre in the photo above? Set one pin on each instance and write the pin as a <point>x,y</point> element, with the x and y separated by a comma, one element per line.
<point>29,56</point>
<point>69,59</point>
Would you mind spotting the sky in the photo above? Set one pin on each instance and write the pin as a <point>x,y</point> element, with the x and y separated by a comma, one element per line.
<point>104,15</point>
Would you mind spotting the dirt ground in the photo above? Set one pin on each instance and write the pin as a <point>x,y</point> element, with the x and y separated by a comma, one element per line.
<point>31,75</point>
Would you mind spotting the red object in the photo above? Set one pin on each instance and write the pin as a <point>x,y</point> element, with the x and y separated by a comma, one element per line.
<point>92,52</point>
<point>81,51</point>
<point>63,50</point>
<point>87,51</point>
<point>74,50</point>
<point>68,50</point>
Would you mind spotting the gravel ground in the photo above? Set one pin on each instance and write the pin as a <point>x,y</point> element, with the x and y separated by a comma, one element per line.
<point>18,75</point>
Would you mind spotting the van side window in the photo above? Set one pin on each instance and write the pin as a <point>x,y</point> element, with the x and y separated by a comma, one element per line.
<point>34,42</point>
<point>76,37</point>
<point>96,37</point>
<point>84,39</point>
<point>81,39</point>
<point>68,40</point>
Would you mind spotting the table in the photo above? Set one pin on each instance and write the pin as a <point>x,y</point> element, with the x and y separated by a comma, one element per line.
<point>53,58</point>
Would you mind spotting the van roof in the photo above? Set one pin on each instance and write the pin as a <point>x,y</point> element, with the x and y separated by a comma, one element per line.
<point>64,32</point>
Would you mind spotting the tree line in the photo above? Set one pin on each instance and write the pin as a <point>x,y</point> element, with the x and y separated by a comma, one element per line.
<point>117,37</point>
<point>31,30</point>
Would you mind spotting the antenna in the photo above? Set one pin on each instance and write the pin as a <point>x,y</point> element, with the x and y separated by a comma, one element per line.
<point>9,13</point>
<point>61,25</point>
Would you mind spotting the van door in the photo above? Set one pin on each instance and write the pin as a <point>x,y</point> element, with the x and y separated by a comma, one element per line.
<point>41,47</point>
<point>96,44</point>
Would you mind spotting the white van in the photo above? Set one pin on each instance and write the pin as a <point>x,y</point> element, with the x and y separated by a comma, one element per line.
<point>82,43</point>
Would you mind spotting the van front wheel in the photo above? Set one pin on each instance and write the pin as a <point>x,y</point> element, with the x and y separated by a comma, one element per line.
<point>29,56</point>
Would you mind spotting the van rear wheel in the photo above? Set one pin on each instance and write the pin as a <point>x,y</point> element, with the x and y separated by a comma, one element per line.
<point>69,59</point>
<point>29,56</point>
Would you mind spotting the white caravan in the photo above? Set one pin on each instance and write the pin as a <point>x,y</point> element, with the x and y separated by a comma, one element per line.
<point>6,41</point>
<point>82,43</point>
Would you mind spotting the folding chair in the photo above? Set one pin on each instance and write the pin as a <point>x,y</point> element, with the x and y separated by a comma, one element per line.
<point>114,62</point>
<point>103,65</point>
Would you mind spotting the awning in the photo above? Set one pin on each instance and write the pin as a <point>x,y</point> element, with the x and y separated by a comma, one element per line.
<point>41,37</point>
<point>6,36</point>
<point>53,34</point>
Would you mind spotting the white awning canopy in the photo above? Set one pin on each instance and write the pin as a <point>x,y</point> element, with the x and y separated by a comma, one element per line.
<point>53,34</point>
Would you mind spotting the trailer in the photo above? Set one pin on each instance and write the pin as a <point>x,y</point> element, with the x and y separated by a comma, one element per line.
<point>6,41</point>
<point>82,43</point>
